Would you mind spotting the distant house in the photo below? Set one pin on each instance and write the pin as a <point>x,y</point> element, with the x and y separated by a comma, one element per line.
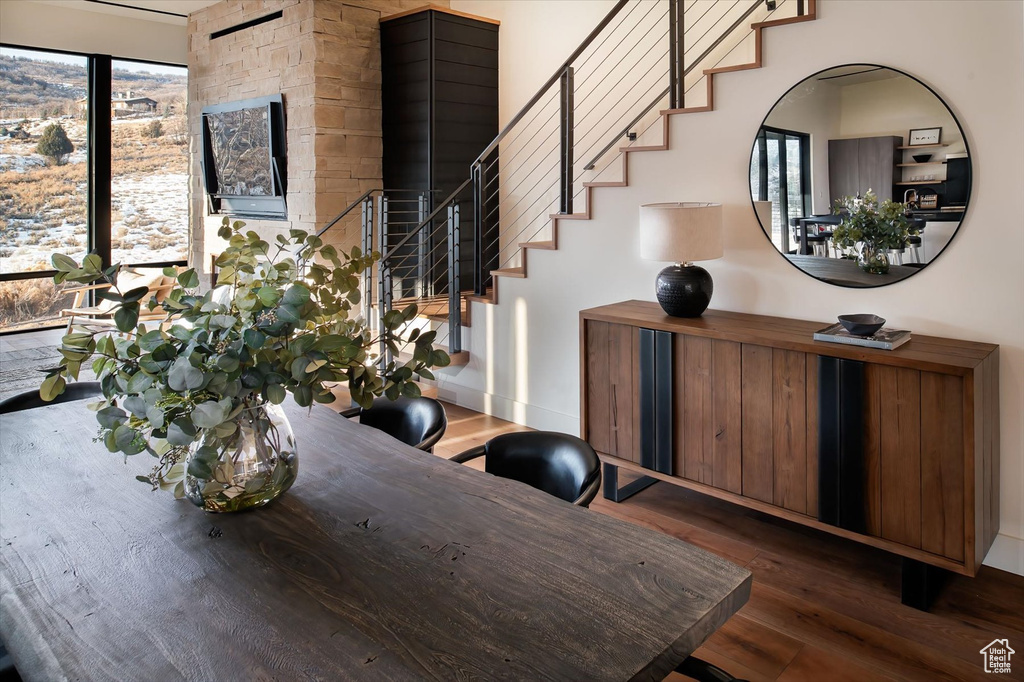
<point>124,103</point>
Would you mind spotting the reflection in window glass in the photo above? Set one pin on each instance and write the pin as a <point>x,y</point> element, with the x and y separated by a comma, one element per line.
<point>149,163</point>
<point>43,151</point>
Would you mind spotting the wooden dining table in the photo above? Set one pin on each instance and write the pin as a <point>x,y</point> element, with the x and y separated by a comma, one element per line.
<point>381,563</point>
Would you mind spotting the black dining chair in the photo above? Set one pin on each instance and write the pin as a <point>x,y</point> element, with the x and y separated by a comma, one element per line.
<point>557,463</point>
<point>419,422</point>
<point>30,399</point>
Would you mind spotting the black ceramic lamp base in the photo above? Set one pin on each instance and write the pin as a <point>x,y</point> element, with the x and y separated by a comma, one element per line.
<point>684,290</point>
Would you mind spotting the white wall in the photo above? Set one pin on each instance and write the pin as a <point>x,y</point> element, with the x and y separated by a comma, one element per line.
<point>813,108</point>
<point>525,351</point>
<point>39,24</point>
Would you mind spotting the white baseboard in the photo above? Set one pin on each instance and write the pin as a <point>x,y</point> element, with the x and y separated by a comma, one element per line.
<point>506,408</point>
<point>1007,554</point>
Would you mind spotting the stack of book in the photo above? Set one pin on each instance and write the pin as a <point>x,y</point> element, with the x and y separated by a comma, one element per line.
<point>885,338</point>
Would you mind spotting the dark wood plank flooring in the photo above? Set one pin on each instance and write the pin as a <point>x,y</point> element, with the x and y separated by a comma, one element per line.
<point>823,609</point>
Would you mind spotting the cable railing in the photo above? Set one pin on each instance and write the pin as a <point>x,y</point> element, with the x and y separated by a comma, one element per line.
<point>644,56</point>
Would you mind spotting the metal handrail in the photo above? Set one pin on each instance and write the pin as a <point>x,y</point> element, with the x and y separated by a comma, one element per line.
<point>551,81</point>
<point>430,218</point>
<point>360,200</point>
<point>721,38</point>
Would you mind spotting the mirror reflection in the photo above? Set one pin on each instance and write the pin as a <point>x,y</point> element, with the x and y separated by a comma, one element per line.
<point>835,136</point>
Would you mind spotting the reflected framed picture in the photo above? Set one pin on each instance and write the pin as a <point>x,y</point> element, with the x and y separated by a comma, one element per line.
<point>923,136</point>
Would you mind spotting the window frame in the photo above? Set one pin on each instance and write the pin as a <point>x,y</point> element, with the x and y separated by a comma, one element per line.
<point>100,78</point>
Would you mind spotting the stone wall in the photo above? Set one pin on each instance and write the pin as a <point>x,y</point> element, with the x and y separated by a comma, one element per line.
<point>324,57</point>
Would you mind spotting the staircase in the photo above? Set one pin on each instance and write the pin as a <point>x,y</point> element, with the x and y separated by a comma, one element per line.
<point>646,61</point>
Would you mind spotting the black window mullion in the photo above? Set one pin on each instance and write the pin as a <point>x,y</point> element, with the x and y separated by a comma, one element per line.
<point>99,156</point>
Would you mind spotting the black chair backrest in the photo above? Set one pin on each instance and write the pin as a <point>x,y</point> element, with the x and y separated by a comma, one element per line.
<point>557,463</point>
<point>30,399</point>
<point>419,422</point>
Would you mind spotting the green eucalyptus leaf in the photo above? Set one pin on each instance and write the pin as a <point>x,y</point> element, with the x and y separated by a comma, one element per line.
<point>155,416</point>
<point>139,382</point>
<point>189,279</point>
<point>181,432</point>
<point>63,263</point>
<point>126,317</point>
<point>254,338</point>
<point>52,387</point>
<point>275,393</point>
<point>182,376</point>
<point>136,405</point>
<point>128,440</point>
<point>297,295</point>
<point>199,469</point>
<point>209,414</point>
<point>111,417</point>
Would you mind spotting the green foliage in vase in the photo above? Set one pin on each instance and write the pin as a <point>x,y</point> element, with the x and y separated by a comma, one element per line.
<point>864,221</point>
<point>278,322</point>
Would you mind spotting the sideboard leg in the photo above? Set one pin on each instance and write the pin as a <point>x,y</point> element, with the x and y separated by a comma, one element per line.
<point>920,583</point>
<point>613,492</point>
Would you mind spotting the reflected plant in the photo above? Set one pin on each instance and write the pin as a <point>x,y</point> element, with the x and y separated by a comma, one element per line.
<point>279,321</point>
<point>874,228</point>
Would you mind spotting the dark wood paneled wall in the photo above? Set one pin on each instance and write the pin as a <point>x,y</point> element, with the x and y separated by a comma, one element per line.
<point>440,106</point>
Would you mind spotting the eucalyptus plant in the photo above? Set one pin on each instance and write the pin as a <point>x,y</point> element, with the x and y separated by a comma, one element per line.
<point>280,320</point>
<point>882,227</point>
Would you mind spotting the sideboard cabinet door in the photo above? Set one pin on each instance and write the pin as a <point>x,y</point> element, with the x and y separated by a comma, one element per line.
<point>612,392</point>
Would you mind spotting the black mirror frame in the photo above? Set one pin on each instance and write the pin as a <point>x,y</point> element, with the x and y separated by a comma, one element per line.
<point>967,149</point>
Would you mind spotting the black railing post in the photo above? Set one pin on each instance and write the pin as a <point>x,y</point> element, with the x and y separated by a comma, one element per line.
<point>366,220</point>
<point>567,104</point>
<point>424,287</point>
<point>454,281</point>
<point>799,8</point>
<point>676,52</point>
<point>384,272</point>
<point>478,229</point>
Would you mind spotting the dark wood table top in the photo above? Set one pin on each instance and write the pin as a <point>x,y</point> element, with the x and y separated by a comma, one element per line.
<point>845,272</point>
<point>382,562</point>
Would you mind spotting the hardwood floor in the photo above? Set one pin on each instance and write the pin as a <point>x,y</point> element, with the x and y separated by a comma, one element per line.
<point>823,609</point>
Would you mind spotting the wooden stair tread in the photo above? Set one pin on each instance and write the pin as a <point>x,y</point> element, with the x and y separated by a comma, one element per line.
<point>569,216</point>
<point>509,272</point>
<point>685,110</point>
<point>783,22</point>
<point>609,183</point>
<point>546,245</point>
<point>459,359</point>
<point>735,67</point>
<point>645,148</point>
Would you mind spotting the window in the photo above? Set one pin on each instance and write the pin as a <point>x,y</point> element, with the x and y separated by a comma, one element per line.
<point>780,170</point>
<point>51,105</point>
<point>149,163</point>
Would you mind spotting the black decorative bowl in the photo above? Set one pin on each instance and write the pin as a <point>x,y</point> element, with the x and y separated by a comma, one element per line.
<point>861,325</point>
<point>922,158</point>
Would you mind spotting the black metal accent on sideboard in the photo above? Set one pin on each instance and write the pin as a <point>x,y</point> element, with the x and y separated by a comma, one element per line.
<point>656,400</point>
<point>841,443</point>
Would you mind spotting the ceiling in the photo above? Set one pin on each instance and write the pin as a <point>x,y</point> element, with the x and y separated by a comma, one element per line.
<point>164,11</point>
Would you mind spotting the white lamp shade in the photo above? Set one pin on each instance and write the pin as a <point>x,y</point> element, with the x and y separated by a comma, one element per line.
<point>681,232</point>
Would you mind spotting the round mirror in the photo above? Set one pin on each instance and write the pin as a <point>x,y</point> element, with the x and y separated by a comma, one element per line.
<point>860,175</point>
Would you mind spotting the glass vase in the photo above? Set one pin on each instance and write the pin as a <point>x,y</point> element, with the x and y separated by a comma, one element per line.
<point>254,465</point>
<point>874,260</point>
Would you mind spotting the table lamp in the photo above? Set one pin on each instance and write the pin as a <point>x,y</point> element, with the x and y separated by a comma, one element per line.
<point>683,233</point>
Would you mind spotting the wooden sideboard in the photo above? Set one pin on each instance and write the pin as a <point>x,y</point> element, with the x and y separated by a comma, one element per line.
<point>896,449</point>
